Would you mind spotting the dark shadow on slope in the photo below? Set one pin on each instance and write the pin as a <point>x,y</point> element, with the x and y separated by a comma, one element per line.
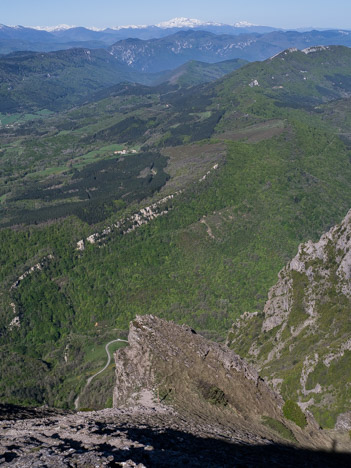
<point>163,447</point>
<point>15,412</point>
<point>172,448</point>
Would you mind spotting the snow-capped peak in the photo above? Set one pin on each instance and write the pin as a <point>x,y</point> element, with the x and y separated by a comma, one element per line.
<point>17,26</point>
<point>93,28</point>
<point>60,27</point>
<point>243,24</point>
<point>129,26</point>
<point>185,23</point>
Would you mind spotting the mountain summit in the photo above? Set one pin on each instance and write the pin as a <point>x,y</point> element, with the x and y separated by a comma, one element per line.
<point>186,23</point>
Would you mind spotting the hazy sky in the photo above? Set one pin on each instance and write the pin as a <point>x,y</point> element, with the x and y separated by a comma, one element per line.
<point>100,13</point>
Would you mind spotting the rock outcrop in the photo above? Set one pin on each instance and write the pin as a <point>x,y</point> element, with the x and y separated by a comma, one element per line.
<point>302,341</point>
<point>180,366</point>
<point>201,381</point>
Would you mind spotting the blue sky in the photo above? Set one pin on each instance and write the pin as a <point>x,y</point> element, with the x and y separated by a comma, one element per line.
<point>101,13</point>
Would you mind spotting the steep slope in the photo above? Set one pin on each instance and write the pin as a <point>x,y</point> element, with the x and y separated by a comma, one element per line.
<point>180,400</point>
<point>155,435</point>
<point>301,342</point>
<point>192,372</point>
<point>201,379</point>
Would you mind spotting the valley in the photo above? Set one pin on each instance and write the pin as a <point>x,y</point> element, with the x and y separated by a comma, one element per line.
<point>146,212</point>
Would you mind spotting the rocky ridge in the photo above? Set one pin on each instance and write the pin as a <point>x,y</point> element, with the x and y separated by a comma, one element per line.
<point>176,366</point>
<point>302,341</point>
<point>181,366</point>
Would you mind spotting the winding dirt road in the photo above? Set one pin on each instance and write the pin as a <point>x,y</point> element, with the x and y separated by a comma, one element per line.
<point>76,401</point>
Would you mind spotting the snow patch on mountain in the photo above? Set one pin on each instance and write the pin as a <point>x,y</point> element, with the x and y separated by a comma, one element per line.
<point>244,24</point>
<point>185,23</point>
<point>180,23</point>
<point>59,27</point>
<point>129,26</point>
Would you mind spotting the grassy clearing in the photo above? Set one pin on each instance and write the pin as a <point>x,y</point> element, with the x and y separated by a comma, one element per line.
<point>253,133</point>
<point>47,172</point>
<point>106,152</point>
<point>9,119</point>
<point>96,353</point>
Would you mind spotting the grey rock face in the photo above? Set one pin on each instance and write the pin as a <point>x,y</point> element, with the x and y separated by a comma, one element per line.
<point>343,422</point>
<point>174,361</point>
<point>305,329</point>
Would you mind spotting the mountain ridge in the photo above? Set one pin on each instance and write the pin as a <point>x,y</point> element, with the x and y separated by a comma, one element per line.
<point>271,39</point>
<point>175,49</point>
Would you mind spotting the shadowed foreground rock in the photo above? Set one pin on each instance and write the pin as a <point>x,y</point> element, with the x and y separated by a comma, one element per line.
<point>146,438</point>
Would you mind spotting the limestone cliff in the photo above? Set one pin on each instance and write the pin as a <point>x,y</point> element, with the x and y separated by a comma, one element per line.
<point>302,341</point>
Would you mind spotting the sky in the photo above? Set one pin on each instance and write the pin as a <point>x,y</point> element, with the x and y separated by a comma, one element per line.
<point>104,13</point>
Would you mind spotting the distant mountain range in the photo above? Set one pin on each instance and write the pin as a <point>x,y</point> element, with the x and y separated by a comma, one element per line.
<point>65,33</point>
<point>175,23</point>
<point>169,45</point>
<point>49,38</point>
<point>155,55</point>
<point>57,80</point>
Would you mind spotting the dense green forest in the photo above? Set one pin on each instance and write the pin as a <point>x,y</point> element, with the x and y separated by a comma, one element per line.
<point>253,172</point>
